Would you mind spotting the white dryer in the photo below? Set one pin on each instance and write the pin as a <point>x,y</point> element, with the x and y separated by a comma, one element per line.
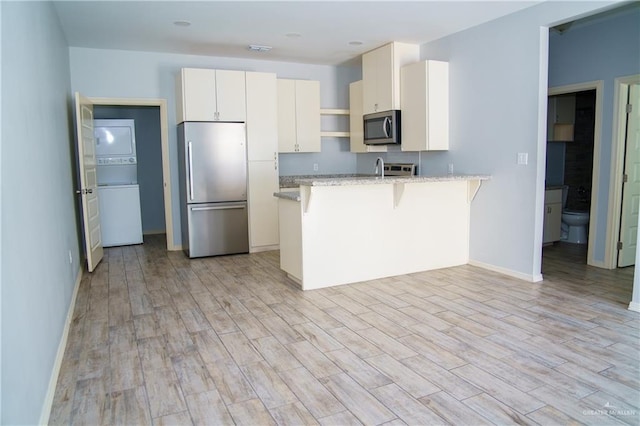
<point>118,190</point>
<point>120,218</point>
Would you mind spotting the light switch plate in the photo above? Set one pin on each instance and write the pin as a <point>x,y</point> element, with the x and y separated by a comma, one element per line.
<point>523,158</point>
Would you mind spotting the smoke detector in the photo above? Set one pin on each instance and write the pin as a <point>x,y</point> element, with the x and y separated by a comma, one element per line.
<point>258,48</point>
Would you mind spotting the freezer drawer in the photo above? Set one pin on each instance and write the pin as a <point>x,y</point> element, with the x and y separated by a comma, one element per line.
<point>216,229</point>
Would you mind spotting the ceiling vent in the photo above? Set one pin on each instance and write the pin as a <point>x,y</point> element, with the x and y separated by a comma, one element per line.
<point>258,48</point>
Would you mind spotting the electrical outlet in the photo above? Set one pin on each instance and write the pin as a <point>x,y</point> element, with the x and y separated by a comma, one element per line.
<point>450,168</point>
<point>70,258</point>
<point>315,167</point>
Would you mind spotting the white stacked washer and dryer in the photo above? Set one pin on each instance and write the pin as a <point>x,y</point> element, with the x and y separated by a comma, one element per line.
<point>118,190</point>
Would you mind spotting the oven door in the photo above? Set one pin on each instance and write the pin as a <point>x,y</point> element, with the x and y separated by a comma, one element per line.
<point>381,128</point>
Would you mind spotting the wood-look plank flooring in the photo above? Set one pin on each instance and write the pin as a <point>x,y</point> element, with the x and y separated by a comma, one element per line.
<point>157,338</point>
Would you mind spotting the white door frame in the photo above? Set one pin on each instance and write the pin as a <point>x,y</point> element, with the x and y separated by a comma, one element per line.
<point>597,136</point>
<point>619,131</point>
<point>164,139</point>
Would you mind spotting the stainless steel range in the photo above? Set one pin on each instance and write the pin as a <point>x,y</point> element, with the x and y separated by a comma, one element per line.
<point>400,169</point>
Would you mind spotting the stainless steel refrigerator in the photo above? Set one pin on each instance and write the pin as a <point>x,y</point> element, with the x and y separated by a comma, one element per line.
<point>213,188</point>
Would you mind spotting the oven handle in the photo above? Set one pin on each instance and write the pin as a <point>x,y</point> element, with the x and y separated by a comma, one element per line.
<point>386,124</point>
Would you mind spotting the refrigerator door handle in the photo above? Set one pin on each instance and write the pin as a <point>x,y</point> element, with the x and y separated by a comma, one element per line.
<point>190,155</point>
<point>199,209</point>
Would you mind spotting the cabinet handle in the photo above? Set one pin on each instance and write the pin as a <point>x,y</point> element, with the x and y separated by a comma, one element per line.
<point>190,159</point>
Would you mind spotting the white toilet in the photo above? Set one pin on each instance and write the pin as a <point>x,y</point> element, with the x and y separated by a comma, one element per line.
<point>574,223</point>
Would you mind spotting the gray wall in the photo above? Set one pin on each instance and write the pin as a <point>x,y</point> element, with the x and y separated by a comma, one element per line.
<point>149,152</point>
<point>39,215</point>
<point>498,93</point>
<point>613,46</point>
<point>128,74</point>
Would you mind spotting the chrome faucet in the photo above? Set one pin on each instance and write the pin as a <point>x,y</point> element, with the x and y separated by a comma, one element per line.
<point>380,163</point>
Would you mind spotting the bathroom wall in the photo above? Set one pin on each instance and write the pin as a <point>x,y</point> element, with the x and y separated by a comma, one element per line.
<point>571,163</point>
<point>578,159</point>
<point>554,173</point>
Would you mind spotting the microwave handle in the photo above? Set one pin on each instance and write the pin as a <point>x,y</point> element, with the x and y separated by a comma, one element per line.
<point>386,124</point>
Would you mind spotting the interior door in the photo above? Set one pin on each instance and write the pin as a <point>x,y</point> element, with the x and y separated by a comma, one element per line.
<point>631,186</point>
<point>88,181</point>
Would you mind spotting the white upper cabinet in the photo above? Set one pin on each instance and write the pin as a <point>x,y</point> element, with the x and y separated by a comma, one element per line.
<point>425,106</point>
<point>561,116</point>
<point>262,117</point>
<point>298,115</point>
<point>356,130</point>
<point>381,75</point>
<point>210,95</point>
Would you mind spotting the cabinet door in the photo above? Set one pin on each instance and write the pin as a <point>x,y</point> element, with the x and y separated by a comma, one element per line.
<point>385,78</point>
<point>377,76</point>
<point>286,115</point>
<point>356,131</point>
<point>230,95</point>
<point>369,82</point>
<point>199,94</point>
<point>263,206</point>
<point>262,117</point>
<point>307,113</point>
<point>425,106</point>
<point>552,225</point>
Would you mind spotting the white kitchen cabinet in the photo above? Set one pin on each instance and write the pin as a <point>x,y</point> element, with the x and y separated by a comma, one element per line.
<point>356,130</point>
<point>381,75</point>
<point>262,116</point>
<point>561,110</point>
<point>210,95</point>
<point>552,225</point>
<point>298,115</point>
<point>263,206</point>
<point>262,146</point>
<point>425,106</point>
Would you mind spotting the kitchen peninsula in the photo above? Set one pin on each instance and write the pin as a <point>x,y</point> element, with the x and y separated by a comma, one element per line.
<point>343,230</point>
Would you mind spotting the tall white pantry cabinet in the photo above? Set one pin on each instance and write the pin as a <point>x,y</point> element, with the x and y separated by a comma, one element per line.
<point>251,97</point>
<point>262,141</point>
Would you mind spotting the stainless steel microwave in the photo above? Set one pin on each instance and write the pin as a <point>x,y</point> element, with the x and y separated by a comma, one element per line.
<point>382,128</point>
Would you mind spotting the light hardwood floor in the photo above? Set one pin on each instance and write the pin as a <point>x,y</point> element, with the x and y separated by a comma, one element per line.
<point>157,338</point>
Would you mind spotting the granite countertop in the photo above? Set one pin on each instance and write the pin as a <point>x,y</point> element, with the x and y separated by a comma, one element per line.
<point>369,180</point>
<point>288,195</point>
<point>291,181</point>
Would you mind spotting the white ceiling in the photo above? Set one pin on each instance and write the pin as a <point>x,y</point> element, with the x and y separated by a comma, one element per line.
<point>226,28</point>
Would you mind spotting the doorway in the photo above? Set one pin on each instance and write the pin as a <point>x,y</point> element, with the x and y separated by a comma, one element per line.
<point>589,117</point>
<point>128,106</point>
<point>149,164</point>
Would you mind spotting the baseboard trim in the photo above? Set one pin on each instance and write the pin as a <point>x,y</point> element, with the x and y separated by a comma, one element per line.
<point>515,274</point>
<point>259,249</point>
<point>634,306</point>
<point>55,372</point>
<point>154,232</point>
